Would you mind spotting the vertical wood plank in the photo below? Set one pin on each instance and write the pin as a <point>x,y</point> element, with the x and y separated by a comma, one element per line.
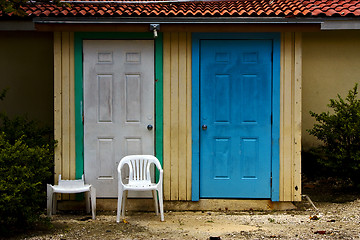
<point>290,119</point>
<point>65,108</point>
<point>297,116</point>
<point>57,105</point>
<point>72,155</point>
<point>65,104</point>
<point>72,106</point>
<point>188,117</point>
<point>281,120</point>
<point>174,115</point>
<point>167,119</point>
<point>182,116</point>
<point>281,140</point>
<point>286,117</point>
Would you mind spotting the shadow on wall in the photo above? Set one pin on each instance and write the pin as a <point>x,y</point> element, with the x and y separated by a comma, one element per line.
<point>26,67</point>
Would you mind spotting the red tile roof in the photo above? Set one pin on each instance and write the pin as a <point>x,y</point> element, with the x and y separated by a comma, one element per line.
<point>229,8</point>
<point>333,8</point>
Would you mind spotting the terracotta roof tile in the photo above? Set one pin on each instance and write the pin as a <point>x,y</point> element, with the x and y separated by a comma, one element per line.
<point>333,7</point>
<point>227,8</point>
<point>357,12</point>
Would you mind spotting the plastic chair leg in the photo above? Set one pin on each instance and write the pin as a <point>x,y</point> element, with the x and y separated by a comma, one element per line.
<point>49,199</point>
<point>161,202</point>
<point>93,202</point>
<point>155,202</point>
<point>54,203</point>
<point>125,195</point>
<point>87,201</point>
<point>120,200</point>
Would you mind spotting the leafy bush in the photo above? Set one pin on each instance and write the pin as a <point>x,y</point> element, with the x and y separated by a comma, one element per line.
<point>340,133</point>
<point>31,132</point>
<point>23,169</point>
<point>26,165</point>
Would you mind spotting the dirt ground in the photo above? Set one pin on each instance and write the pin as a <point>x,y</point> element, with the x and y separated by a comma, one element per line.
<point>337,217</point>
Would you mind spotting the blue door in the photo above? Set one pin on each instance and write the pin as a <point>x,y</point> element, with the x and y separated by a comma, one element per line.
<point>235,118</point>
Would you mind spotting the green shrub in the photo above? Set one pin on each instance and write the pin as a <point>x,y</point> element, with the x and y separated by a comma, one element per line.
<point>31,132</point>
<point>339,132</point>
<point>26,165</point>
<point>23,170</point>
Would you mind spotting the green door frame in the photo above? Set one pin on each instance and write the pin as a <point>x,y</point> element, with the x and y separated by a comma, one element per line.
<point>79,125</point>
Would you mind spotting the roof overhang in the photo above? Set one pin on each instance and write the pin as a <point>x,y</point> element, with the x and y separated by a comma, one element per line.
<point>17,25</point>
<point>340,24</point>
<point>181,24</point>
<point>177,20</point>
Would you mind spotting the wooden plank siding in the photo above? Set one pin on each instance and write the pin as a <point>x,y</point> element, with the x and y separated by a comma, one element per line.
<point>177,113</point>
<point>290,117</point>
<point>64,106</point>
<point>177,116</point>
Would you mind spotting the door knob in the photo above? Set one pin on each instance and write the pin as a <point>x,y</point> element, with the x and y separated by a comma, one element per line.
<point>149,127</point>
<point>204,127</point>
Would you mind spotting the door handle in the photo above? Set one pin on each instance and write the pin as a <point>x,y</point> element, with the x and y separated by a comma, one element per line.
<point>204,127</point>
<point>149,127</point>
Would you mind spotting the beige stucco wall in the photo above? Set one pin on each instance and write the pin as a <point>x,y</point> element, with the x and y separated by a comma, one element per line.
<point>331,65</point>
<point>26,67</point>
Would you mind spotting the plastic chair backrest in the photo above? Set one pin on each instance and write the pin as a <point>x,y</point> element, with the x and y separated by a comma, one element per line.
<point>71,183</point>
<point>139,167</point>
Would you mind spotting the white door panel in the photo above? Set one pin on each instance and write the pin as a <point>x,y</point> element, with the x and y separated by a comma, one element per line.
<point>118,107</point>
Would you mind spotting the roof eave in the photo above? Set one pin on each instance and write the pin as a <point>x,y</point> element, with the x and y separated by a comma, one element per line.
<point>176,20</point>
<point>17,25</point>
<point>341,24</point>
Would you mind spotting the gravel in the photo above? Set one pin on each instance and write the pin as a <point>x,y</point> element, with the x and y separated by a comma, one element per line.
<point>331,221</point>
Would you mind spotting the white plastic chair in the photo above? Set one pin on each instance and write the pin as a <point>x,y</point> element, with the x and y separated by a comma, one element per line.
<point>71,186</point>
<point>139,180</point>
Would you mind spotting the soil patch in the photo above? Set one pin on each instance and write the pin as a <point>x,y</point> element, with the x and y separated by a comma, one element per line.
<point>337,217</point>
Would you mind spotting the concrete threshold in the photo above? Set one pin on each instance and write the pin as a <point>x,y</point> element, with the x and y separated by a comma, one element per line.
<point>202,205</point>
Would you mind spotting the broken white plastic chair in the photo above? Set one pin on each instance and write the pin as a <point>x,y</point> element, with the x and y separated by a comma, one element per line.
<point>71,186</point>
<point>139,180</point>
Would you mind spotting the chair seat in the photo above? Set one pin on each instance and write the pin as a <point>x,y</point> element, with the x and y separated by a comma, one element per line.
<point>71,189</point>
<point>71,186</point>
<point>140,186</point>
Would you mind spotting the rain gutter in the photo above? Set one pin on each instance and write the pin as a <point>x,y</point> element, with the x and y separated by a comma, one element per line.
<point>141,2</point>
<point>183,20</point>
<point>341,25</point>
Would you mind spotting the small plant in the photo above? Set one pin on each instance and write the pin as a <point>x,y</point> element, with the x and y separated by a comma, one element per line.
<point>339,132</point>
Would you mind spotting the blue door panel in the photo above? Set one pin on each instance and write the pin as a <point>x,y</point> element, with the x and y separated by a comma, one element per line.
<point>235,114</point>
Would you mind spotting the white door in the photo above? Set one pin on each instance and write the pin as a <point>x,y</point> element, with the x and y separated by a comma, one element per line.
<point>118,107</point>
